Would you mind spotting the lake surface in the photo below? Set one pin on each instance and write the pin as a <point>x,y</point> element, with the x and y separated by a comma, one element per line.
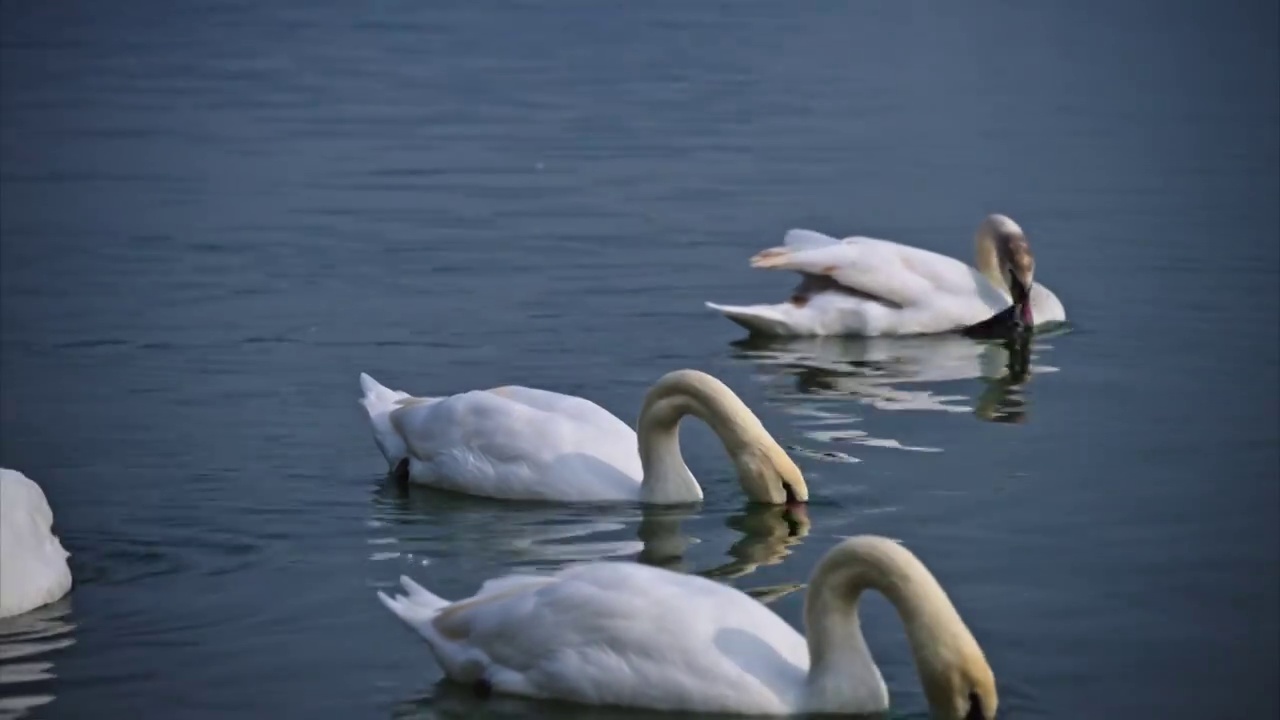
<point>214,217</point>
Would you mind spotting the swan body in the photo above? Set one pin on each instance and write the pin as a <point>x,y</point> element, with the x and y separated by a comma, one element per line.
<point>33,563</point>
<point>632,635</point>
<point>870,287</point>
<point>520,443</point>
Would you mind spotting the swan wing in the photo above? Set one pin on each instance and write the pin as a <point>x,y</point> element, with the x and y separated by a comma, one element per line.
<point>800,239</point>
<point>894,273</point>
<point>569,406</point>
<point>622,634</point>
<point>516,443</point>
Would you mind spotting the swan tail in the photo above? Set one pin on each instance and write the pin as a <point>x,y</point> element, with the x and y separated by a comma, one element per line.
<point>416,608</point>
<point>379,401</point>
<point>422,596</point>
<point>378,397</point>
<point>758,319</point>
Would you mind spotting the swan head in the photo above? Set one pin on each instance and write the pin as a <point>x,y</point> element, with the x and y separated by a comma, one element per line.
<point>1004,257</point>
<point>769,475</point>
<point>966,692</point>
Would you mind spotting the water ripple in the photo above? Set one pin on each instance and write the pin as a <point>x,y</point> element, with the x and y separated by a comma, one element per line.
<point>29,645</point>
<point>917,374</point>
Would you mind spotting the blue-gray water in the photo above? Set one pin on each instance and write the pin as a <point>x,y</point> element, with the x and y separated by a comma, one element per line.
<point>215,215</point>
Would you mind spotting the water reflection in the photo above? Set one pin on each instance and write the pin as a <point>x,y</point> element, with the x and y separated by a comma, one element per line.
<point>894,374</point>
<point>28,643</point>
<point>1003,400</point>
<point>413,523</point>
<point>769,533</point>
<point>449,701</point>
<point>416,525</point>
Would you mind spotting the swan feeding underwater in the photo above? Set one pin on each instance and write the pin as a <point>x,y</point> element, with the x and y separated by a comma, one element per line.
<point>520,443</point>
<point>631,635</point>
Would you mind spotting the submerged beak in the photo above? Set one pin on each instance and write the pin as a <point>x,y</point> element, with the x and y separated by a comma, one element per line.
<point>792,500</point>
<point>975,708</point>
<point>1021,293</point>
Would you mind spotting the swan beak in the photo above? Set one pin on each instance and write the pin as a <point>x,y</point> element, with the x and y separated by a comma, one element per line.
<point>792,500</point>
<point>975,708</point>
<point>796,515</point>
<point>1021,293</point>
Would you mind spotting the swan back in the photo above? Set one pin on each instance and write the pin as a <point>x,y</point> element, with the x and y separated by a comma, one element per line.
<point>953,669</point>
<point>520,443</point>
<point>618,634</point>
<point>765,470</point>
<point>33,563</point>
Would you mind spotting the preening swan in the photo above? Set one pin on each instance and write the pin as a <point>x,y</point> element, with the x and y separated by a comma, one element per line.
<point>33,564</point>
<point>519,443</point>
<point>631,635</point>
<point>864,286</point>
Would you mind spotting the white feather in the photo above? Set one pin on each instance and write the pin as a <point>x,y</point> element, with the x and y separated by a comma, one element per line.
<point>33,563</point>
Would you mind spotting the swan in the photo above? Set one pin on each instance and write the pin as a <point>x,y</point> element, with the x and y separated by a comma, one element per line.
<point>33,564</point>
<point>864,286</point>
<point>519,443</point>
<point>626,634</point>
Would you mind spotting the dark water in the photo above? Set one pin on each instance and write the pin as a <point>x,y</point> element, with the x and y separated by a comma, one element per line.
<point>215,216</point>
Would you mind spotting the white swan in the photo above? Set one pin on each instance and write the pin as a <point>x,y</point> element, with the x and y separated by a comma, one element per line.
<point>519,443</point>
<point>864,286</point>
<point>632,635</point>
<point>33,564</point>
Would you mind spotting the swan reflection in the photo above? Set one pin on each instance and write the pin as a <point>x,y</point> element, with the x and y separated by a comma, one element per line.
<point>896,374</point>
<point>27,644</point>
<point>411,524</point>
<point>769,533</point>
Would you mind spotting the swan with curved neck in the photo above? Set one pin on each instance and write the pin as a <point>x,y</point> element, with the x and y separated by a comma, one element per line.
<point>627,634</point>
<point>1004,258</point>
<point>520,443</point>
<point>866,286</point>
<point>957,680</point>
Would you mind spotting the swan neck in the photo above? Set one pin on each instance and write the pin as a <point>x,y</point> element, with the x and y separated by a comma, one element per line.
<point>946,655</point>
<point>666,479</point>
<point>988,260</point>
<point>688,392</point>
